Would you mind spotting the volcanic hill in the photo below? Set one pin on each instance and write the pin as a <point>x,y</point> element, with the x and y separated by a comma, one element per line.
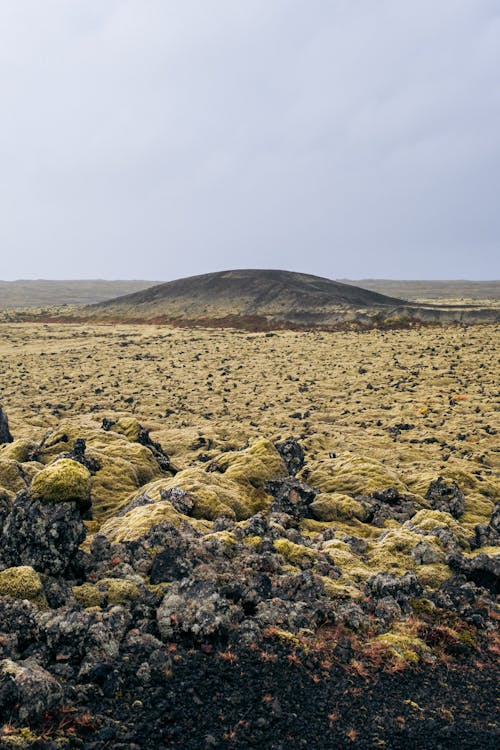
<point>275,295</point>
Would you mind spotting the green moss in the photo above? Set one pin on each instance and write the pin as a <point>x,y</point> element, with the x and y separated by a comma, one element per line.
<point>403,646</point>
<point>125,465</point>
<point>226,537</point>
<point>140,520</point>
<point>128,426</point>
<point>253,541</point>
<point>106,592</point>
<point>336,507</point>
<point>255,465</point>
<point>296,554</point>
<point>11,478</point>
<point>63,481</point>
<point>352,475</point>
<point>428,520</point>
<point>19,450</point>
<point>22,583</point>
<point>214,495</point>
<point>338,590</point>
<point>88,595</point>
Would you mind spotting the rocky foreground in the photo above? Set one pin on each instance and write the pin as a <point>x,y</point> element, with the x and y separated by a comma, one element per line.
<point>255,599</point>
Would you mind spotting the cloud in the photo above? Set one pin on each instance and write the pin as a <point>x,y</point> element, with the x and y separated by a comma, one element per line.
<point>156,139</point>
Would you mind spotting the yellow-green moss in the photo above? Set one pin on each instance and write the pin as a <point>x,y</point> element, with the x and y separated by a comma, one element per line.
<point>140,520</point>
<point>427,520</point>
<point>10,475</point>
<point>106,592</point>
<point>22,583</point>
<point>128,426</point>
<point>214,495</point>
<point>336,507</point>
<point>352,475</point>
<point>252,541</point>
<point>338,590</point>
<point>64,480</point>
<point>294,553</point>
<point>125,465</point>
<point>403,646</point>
<point>226,537</point>
<point>18,450</point>
<point>354,570</point>
<point>256,465</point>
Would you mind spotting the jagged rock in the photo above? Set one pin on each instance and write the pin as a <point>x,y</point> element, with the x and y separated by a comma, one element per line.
<point>180,499</point>
<point>291,496</point>
<point>5,436</point>
<point>142,499</point>
<point>169,565</point>
<point>482,569</point>
<point>385,584</point>
<point>77,453</point>
<point>45,536</point>
<point>292,454</point>
<point>446,496</point>
<point>486,534</point>
<point>388,504</point>
<point>26,689</point>
<point>196,609</point>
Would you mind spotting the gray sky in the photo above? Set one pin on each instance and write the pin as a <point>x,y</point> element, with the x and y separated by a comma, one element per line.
<point>159,138</point>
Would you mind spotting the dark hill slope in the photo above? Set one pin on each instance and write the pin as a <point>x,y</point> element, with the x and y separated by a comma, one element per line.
<point>279,294</point>
<point>266,298</point>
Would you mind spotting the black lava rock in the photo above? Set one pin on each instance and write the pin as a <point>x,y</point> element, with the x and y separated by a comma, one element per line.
<point>292,454</point>
<point>43,535</point>
<point>446,496</point>
<point>291,496</point>
<point>5,436</point>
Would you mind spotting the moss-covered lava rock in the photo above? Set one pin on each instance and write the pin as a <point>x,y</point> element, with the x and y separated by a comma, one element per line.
<point>63,481</point>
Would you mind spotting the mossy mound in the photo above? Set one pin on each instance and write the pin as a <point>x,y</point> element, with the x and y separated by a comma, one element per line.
<point>19,450</point>
<point>354,569</point>
<point>22,583</point>
<point>428,521</point>
<point>140,520</point>
<point>255,465</point>
<point>392,553</point>
<point>335,506</point>
<point>106,592</point>
<point>296,554</point>
<point>63,481</point>
<point>352,475</point>
<point>124,465</point>
<point>128,426</point>
<point>480,491</point>
<point>214,495</point>
<point>231,486</point>
<point>11,475</point>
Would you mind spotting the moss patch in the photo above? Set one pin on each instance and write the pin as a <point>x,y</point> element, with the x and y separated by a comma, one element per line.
<point>63,481</point>
<point>22,583</point>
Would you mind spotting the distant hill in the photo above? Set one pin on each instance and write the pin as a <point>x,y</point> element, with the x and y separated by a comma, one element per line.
<point>433,289</point>
<point>283,295</point>
<point>44,293</point>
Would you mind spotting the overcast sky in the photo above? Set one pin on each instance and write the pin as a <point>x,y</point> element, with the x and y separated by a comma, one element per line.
<point>155,139</point>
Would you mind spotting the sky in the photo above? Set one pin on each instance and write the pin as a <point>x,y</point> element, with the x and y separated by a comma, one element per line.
<point>156,139</point>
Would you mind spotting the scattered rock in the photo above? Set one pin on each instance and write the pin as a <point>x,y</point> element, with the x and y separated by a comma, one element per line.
<point>291,496</point>
<point>446,496</point>
<point>292,454</point>
<point>27,690</point>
